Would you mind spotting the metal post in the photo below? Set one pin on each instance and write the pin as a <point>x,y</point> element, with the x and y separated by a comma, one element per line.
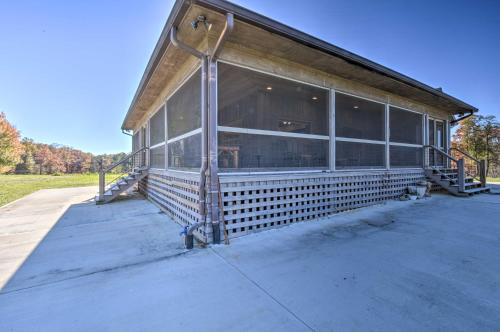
<point>461,175</point>
<point>387,134</point>
<point>332,130</point>
<point>212,152</point>
<point>482,172</point>
<point>102,180</point>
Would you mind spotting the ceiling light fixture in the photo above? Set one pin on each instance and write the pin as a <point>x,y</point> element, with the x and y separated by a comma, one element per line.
<point>356,107</point>
<point>269,88</point>
<point>315,98</point>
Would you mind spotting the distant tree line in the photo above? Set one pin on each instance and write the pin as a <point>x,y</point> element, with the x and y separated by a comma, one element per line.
<point>25,156</point>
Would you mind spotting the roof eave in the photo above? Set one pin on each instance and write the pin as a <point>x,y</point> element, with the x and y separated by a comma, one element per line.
<point>268,24</point>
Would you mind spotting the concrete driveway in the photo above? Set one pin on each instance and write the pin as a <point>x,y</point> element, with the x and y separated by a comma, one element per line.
<point>67,264</point>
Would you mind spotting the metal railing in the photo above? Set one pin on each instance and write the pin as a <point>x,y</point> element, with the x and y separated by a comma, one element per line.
<point>432,160</point>
<point>474,167</point>
<point>432,155</point>
<point>131,162</point>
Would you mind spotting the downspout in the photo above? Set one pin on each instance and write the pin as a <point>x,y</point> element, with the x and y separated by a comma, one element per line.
<point>213,166</point>
<point>204,138</point>
<point>209,128</point>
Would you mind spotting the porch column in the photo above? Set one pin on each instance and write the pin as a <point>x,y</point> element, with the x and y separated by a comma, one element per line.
<point>213,181</point>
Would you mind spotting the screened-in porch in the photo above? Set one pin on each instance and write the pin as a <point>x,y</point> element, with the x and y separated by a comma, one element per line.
<point>270,123</point>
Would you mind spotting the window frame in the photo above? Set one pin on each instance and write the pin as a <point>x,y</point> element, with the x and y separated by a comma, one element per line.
<point>360,140</point>
<point>389,143</point>
<point>252,131</point>
<point>185,135</point>
<point>148,134</point>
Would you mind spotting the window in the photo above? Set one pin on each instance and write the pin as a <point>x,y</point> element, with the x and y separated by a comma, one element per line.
<point>405,138</point>
<point>405,126</point>
<point>157,156</point>
<point>354,155</point>
<point>185,153</point>
<point>157,139</point>
<point>360,133</point>
<point>253,152</point>
<point>184,125</point>
<point>184,107</point>
<point>270,122</point>
<point>157,127</point>
<point>359,118</point>
<point>135,141</point>
<point>405,156</point>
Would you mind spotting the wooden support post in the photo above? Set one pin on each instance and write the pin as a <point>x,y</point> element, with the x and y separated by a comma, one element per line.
<point>461,175</point>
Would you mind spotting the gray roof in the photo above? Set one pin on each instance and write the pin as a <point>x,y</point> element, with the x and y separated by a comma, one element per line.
<point>263,22</point>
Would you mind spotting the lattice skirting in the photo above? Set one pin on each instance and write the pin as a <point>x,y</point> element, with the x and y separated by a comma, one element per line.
<point>255,203</point>
<point>177,194</point>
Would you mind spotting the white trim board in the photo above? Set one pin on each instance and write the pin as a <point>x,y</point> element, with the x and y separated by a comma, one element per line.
<point>185,135</point>
<point>357,140</point>
<point>270,133</point>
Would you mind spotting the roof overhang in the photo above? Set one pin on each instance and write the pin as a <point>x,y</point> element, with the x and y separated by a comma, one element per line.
<point>334,60</point>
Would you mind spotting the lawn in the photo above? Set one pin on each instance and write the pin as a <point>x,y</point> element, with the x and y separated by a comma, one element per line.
<point>495,180</point>
<point>13,187</point>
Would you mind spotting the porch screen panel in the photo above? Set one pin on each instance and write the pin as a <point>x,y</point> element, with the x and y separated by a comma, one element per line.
<point>405,126</point>
<point>157,127</point>
<point>270,123</point>
<point>157,157</point>
<point>352,155</point>
<point>405,156</point>
<point>185,153</point>
<point>135,141</point>
<point>250,99</point>
<point>360,133</point>
<point>183,125</point>
<point>249,152</point>
<point>184,107</point>
<point>359,118</point>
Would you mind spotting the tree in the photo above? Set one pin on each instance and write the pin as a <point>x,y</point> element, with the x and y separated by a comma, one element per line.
<point>480,137</point>
<point>10,146</point>
<point>27,164</point>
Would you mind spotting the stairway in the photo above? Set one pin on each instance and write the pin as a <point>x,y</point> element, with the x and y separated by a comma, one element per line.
<point>110,190</point>
<point>121,185</point>
<point>448,179</point>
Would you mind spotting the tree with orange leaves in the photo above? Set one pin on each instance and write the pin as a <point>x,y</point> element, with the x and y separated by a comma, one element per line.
<point>10,146</point>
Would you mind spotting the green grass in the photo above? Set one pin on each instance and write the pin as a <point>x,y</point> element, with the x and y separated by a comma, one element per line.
<point>497,180</point>
<point>13,187</point>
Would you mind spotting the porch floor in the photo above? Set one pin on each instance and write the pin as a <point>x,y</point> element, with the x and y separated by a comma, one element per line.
<point>67,264</point>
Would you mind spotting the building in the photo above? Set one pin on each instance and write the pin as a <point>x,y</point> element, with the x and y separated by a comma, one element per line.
<point>246,124</point>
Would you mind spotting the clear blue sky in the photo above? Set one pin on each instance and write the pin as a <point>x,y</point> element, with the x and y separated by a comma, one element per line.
<point>69,69</point>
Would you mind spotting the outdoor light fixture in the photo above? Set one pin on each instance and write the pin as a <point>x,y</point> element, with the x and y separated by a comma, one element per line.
<point>201,19</point>
<point>269,88</point>
<point>315,98</point>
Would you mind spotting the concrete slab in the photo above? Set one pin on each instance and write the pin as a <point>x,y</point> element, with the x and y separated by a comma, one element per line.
<point>423,265</point>
<point>59,234</point>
